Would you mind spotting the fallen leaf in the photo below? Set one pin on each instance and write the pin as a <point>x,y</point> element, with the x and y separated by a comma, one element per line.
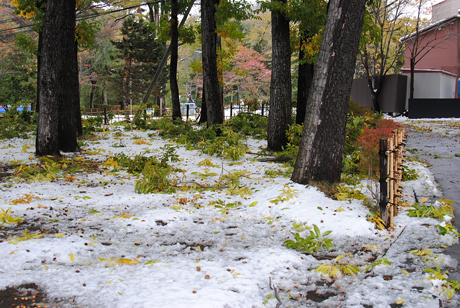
<point>399,302</point>
<point>423,200</point>
<point>128,261</point>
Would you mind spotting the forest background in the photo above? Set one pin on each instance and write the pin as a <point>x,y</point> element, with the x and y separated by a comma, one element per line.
<point>120,39</point>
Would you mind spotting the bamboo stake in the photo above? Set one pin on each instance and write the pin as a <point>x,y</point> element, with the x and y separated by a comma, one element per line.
<point>391,178</point>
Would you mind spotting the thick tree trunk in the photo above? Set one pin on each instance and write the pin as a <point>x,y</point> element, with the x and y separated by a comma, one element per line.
<point>279,117</point>
<point>214,105</point>
<point>323,136</point>
<point>58,80</point>
<point>305,80</point>
<point>174,46</point>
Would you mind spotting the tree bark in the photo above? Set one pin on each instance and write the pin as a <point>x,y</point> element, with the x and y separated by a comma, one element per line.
<point>58,80</point>
<point>91,95</point>
<point>174,46</point>
<point>279,117</point>
<point>75,99</point>
<point>324,131</point>
<point>214,104</point>
<point>204,110</point>
<point>305,80</point>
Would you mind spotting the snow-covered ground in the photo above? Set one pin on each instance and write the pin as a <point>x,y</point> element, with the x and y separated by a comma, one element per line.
<point>104,245</point>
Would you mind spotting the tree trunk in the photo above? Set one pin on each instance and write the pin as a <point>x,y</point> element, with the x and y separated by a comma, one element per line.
<point>39,51</point>
<point>104,93</point>
<point>279,117</point>
<point>305,80</point>
<point>412,75</point>
<point>323,136</point>
<point>91,95</point>
<point>211,88</point>
<point>58,80</point>
<point>174,46</point>
<point>204,110</point>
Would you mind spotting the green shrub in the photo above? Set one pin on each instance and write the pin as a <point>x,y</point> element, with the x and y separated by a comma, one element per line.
<point>249,124</point>
<point>17,124</point>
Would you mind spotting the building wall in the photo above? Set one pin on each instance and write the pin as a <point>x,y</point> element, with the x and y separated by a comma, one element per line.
<point>444,10</point>
<point>392,96</point>
<point>443,46</point>
<point>432,84</point>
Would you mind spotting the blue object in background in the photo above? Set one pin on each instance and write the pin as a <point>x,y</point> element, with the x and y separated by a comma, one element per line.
<point>458,87</point>
<point>2,110</point>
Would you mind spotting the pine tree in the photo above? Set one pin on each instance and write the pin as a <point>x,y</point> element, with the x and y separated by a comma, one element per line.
<point>139,55</point>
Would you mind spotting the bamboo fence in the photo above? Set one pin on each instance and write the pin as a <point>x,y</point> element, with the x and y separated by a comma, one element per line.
<point>391,160</point>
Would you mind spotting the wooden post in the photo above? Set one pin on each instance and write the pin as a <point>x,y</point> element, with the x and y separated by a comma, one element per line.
<point>106,122</point>
<point>383,199</point>
<point>391,180</point>
<point>188,112</point>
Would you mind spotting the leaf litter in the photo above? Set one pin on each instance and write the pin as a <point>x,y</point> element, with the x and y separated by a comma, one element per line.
<point>88,240</point>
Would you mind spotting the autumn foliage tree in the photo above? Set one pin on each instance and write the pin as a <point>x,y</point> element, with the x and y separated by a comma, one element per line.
<point>249,75</point>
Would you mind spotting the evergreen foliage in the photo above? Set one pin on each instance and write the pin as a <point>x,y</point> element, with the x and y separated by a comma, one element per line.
<point>138,57</point>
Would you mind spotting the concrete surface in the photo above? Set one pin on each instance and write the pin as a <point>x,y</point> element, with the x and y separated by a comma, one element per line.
<point>437,143</point>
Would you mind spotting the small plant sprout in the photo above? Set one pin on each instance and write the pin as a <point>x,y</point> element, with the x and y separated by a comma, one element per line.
<point>313,243</point>
<point>347,193</point>
<point>441,283</point>
<point>446,228</point>
<point>375,218</point>
<point>27,236</point>
<point>208,163</point>
<point>300,226</point>
<point>378,262</point>
<point>334,269</point>
<point>286,194</point>
<point>439,210</point>
<point>6,218</point>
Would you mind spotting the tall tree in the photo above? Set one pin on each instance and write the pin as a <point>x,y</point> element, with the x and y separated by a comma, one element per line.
<point>279,117</point>
<point>381,52</point>
<point>174,47</point>
<point>211,86</point>
<point>323,135</point>
<point>309,29</point>
<point>139,56</point>
<point>58,80</point>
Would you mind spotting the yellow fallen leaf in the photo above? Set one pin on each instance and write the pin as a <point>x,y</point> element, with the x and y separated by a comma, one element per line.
<point>405,272</point>
<point>59,234</point>
<point>423,200</point>
<point>399,302</point>
<point>72,258</point>
<point>47,267</point>
<point>128,261</point>
<point>11,252</point>
<point>110,281</point>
